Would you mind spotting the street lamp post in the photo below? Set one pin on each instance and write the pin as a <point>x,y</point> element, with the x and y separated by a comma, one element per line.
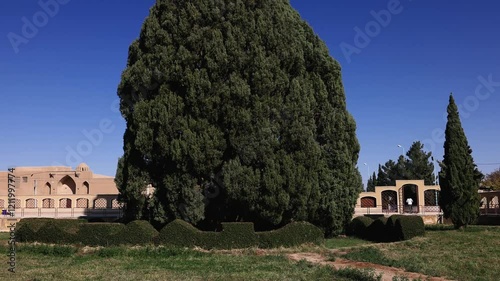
<point>368,178</point>
<point>402,149</point>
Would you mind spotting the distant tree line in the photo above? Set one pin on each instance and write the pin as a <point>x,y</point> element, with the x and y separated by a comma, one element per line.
<point>417,165</point>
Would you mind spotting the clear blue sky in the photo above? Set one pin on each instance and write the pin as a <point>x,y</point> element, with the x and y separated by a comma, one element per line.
<point>61,81</point>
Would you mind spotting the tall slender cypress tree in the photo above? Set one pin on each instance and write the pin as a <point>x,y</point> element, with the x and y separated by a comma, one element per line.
<point>459,178</point>
<point>235,111</point>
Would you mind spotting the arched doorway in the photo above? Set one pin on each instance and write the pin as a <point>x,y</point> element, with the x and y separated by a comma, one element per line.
<point>66,186</point>
<point>389,201</point>
<point>410,198</point>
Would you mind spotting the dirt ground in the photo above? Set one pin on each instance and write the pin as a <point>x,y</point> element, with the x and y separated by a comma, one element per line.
<point>387,272</point>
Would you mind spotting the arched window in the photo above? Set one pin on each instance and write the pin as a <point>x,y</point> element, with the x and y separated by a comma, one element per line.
<point>31,203</point>
<point>48,203</point>
<point>65,203</point>
<point>100,203</point>
<point>368,202</point>
<point>115,204</point>
<point>82,203</point>
<point>85,188</point>
<point>46,189</point>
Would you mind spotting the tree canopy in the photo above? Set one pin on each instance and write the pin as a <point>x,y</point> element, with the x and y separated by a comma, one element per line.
<point>459,178</point>
<point>492,180</point>
<point>235,111</point>
<point>417,165</point>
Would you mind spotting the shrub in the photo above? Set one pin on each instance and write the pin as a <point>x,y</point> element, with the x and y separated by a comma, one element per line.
<point>377,230</point>
<point>180,233</point>
<point>391,228</point>
<point>100,234</point>
<point>139,232</point>
<point>292,234</point>
<point>359,227</point>
<point>58,231</point>
<point>236,235</point>
<point>26,228</point>
<point>407,227</point>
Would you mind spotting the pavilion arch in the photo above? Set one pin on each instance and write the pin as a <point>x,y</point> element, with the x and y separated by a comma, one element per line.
<point>66,186</point>
<point>431,200</point>
<point>410,190</point>
<point>368,202</point>
<point>389,201</point>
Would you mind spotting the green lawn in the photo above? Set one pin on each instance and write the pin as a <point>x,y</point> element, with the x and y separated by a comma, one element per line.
<point>46,262</point>
<point>473,254</point>
<point>470,254</point>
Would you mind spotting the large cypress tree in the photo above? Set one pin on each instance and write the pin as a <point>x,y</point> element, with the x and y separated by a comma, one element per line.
<point>236,112</point>
<point>459,178</point>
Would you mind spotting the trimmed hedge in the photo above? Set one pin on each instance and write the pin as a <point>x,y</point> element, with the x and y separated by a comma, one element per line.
<point>178,233</point>
<point>359,227</point>
<point>100,234</point>
<point>49,230</point>
<point>139,232</point>
<point>236,235</point>
<point>394,228</point>
<point>26,228</point>
<point>292,234</point>
<point>407,227</point>
<point>377,231</point>
<point>181,234</point>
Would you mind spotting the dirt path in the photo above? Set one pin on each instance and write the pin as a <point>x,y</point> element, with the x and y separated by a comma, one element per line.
<point>387,272</point>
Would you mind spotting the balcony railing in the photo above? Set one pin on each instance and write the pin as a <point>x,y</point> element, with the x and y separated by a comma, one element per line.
<point>415,209</point>
<point>62,213</point>
<point>492,209</point>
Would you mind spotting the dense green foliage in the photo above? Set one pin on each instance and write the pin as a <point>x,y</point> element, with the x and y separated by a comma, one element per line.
<point>359,226</point>
<point>372,182</point>
<point>418,165</point>
<point>459,178</point>
<point>293,234</point>
<point>178,233</point>
<point>101,234</point>
<point>26,228</point>
<point>238,235</point>
<point>407,227</point>
<point>181,234</point>
<point>139,232</point>
<point>235,111</point>
<point>48,230</point>
<point>394,228</point>
<point>492,180</point>
<point>377,230</point>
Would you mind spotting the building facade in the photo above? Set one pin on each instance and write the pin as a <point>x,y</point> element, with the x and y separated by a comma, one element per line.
<point>59,192</point>
<point>406,197</point>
